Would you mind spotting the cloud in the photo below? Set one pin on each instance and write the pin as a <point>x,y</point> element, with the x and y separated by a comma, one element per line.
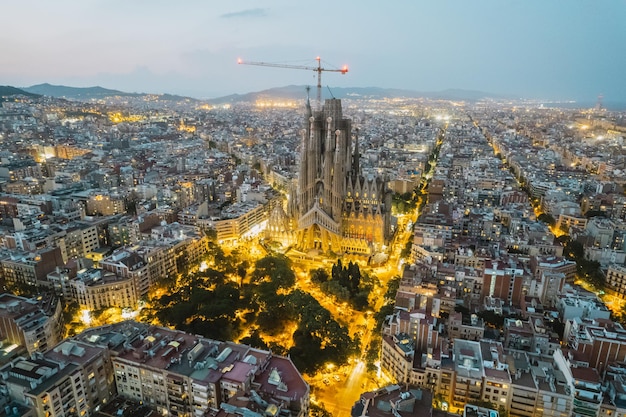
<point>246,13</point>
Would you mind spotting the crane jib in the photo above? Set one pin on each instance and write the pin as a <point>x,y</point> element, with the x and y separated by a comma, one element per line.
<point>317,69</point>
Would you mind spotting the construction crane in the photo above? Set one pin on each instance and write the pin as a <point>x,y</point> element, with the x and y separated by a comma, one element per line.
<point>317,69</point>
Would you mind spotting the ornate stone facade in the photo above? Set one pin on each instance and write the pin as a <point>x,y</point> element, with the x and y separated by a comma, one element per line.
<point>338,209</point>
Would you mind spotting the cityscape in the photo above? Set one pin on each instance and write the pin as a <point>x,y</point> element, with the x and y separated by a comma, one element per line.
<point>437,235</point>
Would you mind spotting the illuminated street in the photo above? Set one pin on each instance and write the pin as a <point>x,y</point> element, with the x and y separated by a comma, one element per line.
<point>342,392</point>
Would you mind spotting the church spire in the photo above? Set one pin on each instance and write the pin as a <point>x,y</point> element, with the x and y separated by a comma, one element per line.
<point>309,112</point>
<point>355,157</point>
<point>292,202</point>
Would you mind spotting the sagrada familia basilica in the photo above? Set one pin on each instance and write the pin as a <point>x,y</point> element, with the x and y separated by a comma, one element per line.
<point>334,208</point>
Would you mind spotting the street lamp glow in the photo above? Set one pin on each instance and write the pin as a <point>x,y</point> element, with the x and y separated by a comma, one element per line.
<point>86,317</point>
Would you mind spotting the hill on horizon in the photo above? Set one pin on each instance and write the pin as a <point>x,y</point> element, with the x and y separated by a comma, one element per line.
<point>7,90</point>
<point>289,92</point>
<point>62,91</point>
<point>90,93</point>
<point>298,92</point>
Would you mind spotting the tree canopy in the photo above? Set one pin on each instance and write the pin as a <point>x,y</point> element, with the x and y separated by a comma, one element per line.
<point>216,303</point>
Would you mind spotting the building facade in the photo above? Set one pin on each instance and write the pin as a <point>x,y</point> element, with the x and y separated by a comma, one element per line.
<point>338,209</point>
<point>24,322</point>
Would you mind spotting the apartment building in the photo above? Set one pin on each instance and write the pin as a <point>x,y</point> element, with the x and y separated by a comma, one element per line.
<point>105,205</point>
<point>527,383</point>
<point>25,322</point>
<point>614,404</point>
<point>80,240</point>
<point>467,328</point>
<point>95,289</point>
<point>30,268</point>
<point>171,248</point>
<point>73,378</point>
<point>596,342</point>
<point>504,280</point>
<point>181,374</point>
<point>238,221</point>
<point>616,279</point>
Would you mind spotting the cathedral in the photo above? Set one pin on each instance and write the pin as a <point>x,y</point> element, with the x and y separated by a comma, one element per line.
<point>336,207</point>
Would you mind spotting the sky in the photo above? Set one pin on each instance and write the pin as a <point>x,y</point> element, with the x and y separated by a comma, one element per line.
<point>545,49</point>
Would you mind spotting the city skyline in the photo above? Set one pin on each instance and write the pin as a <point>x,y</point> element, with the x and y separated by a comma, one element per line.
<point>424,256</point>
<point>546,50</point>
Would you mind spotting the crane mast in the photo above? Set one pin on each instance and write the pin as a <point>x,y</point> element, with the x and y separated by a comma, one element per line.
<point>317,69</point>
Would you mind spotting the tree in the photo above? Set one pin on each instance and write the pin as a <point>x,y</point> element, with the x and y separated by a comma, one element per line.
<point>318,338</point>
<point>211,233</point>
<point>223,301</point>
<point>462,309</point>
<point>403,203</point>
<point>319,275</point>
<point>596,278</point>
<point>392,288</point>
<point>346,283</point>
<point>319,411</point>
<point>382,314</point>
<point>335,289</point>
<point>492,318</point>
<point>24,289</point>
<point>242,271</point>
<point>271,321</point>
<point>354,277</point>
<point>482,403</point>
<point>547,219</point>
<point>70,310</point>
<point>336,270</point>
<point>176,315</point>
<point>360,301</point>
<point>406,251</point>
<point>575,250</point>
<point>595,213</point>
<point>219,328</point>
<point>275,269</point>
<point>564,239</point>
<point>255,340</point>
<point>210,277</point>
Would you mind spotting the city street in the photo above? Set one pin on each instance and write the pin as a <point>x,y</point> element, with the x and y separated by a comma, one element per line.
<point>338,388</point>
<point>342,391</point>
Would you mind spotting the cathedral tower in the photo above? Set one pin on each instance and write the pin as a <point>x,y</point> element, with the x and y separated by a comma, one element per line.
<point>338,209</point>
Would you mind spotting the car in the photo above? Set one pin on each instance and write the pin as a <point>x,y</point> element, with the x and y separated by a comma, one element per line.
<point>336,377</point>
<point>326,381</point>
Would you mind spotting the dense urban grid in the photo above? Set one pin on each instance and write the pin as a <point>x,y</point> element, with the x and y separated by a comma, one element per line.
<point>366,256</point>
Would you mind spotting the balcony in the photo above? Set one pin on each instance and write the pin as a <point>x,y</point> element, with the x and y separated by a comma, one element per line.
<point>583,408</point>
